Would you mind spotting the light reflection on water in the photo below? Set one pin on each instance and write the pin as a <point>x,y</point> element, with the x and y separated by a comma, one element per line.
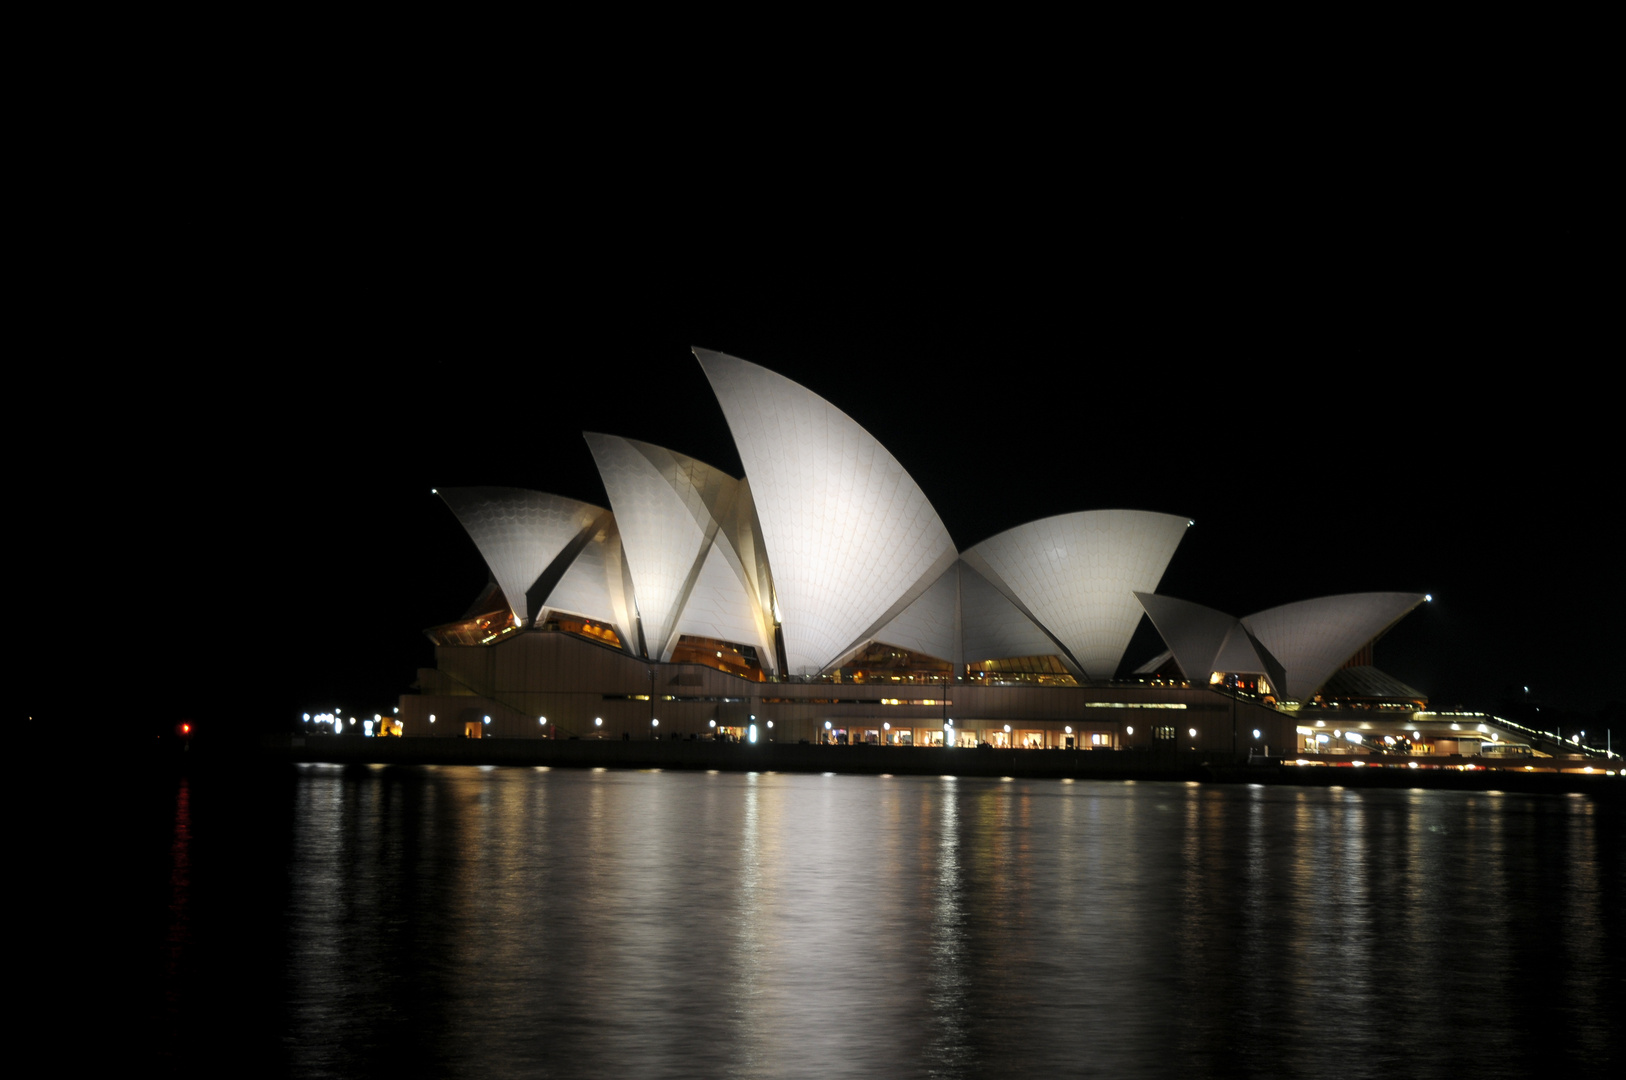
<point>506,922</point>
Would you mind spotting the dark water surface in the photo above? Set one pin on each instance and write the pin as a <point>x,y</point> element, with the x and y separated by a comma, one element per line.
<point>473,922</point>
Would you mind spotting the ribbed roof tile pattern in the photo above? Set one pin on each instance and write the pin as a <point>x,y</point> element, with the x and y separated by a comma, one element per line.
<point>1193,633</point>
<point>930,625</point>
<point>996,629</point>
<point>1077,574</point>
<point>848,532</point>
<point>740,539</point>
<point>667,506</point>
<point>1203,641</point>
<point>520,533</point>
<point>719,607</point>
<point>593,585</point>
<point>1313,638</point>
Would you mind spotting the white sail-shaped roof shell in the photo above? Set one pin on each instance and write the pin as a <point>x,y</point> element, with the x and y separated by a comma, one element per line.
<point>930,625</point>
<point>993,628</point>
<point>1204,640</point>
<point>1076,575</point>
<point>595,584</point>
<point>1313,638</point>
<point>740,539</point>
<point>720,607</point>
<point>523,535</point>
<point>1193,633</point>
<point>668,507</point>
<point>851,537</point>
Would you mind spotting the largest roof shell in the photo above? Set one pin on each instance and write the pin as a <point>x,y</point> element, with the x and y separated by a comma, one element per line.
<point>850,536</point>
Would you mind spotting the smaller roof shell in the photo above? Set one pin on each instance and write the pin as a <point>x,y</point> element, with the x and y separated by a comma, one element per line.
<point>668,507</point>
<point>527,538</point>
<point>1076,576</point>
<point>1204,640</point>
<point>1313,638</point>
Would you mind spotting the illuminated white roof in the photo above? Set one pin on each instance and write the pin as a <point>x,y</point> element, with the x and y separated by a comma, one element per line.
<point>1076,575</point>
<point>719,607</point>
<point>930,625</point>
<point>740,540</point>
<point>993,628</point>
<point>851,537</point>
<point>833,539</point>
<point>595,585</point>
<point>667,507</point>
<point>524,535</point>
<point>1313,638</point>
<point>1204,640</point>
<point>1193,633</point>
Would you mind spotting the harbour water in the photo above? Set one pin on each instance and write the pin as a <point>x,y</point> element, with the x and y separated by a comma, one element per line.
<point>492,922</point>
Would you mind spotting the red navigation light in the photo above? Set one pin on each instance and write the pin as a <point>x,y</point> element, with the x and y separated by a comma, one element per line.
<point>183,728</point>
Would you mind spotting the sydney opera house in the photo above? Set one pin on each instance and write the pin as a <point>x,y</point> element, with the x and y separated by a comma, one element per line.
<point>820,598</point>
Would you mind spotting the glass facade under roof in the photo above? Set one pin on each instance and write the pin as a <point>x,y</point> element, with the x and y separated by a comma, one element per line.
<point>1043,670</point>
<point>880,662</point>
<point>587,628</point>
<point>729,656</point>
<point>481,629</point>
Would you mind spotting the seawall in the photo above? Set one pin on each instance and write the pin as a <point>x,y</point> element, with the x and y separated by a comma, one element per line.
<point>917,761</point>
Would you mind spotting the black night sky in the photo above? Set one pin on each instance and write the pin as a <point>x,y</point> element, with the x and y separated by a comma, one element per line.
<point>1343,397</point>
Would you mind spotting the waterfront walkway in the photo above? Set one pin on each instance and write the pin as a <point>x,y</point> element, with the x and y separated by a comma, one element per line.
<point>926,761</point>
